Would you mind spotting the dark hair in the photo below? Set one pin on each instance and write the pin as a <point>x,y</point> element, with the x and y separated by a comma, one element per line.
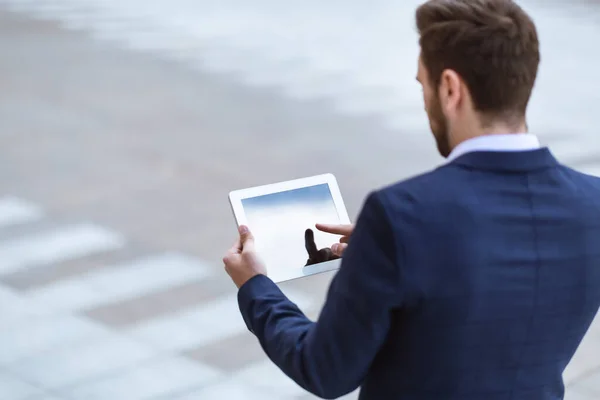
<point>492,44</point>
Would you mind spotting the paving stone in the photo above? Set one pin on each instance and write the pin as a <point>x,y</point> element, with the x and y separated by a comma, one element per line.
<point>590,383</point>
<point>37,335</point>
<point>585,359</point>
<point>150,146</point>
<point>160,303</point>
<point>73,364</point>
<point>14,388</point>
<point>230,389</point>
<point>163,377</point>
<point>232,353</point>
<point>36,277</point>
<point>577,394</point>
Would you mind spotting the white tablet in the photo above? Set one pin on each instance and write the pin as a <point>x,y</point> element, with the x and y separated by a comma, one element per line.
<point>282,218</point>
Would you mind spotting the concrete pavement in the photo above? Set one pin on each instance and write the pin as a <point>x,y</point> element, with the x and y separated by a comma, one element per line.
<point>117,161</point>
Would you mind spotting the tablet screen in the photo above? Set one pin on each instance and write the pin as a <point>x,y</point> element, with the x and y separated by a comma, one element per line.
<point>279,222</point>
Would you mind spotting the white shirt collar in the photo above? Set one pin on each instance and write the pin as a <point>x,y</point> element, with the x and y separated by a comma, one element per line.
<point>504,142</point>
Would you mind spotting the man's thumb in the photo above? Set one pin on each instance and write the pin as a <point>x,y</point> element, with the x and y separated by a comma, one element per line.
<point>246,238</point>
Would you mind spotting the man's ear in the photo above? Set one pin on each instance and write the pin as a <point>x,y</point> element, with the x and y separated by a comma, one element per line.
<point>450,91</point>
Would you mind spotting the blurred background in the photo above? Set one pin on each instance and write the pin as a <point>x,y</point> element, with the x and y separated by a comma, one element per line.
<point>125,123</point>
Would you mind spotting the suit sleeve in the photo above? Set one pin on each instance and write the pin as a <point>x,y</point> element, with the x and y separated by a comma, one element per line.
<point>331,357</point>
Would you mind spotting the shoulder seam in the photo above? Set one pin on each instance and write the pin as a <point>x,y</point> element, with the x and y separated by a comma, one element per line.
<point>399,254</point>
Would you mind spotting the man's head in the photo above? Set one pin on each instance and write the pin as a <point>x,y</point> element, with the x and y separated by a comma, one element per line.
<point>478,64</point>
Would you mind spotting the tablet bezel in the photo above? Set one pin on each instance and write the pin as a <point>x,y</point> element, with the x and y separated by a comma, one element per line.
<point>236,197</point>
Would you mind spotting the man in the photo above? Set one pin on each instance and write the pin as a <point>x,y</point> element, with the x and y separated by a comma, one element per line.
<point>476,280</point>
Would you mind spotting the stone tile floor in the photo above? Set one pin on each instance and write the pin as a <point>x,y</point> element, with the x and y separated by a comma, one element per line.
<point>122,135</point>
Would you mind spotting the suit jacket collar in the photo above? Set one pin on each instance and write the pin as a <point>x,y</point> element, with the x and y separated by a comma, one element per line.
<point>507,161</point>
<point>497,142</point>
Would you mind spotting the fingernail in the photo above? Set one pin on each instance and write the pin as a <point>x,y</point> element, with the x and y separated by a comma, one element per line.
<point>335,248</point>
<point>243,229</point>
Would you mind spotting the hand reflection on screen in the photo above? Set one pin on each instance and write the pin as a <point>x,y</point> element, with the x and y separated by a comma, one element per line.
<point>315,255</point>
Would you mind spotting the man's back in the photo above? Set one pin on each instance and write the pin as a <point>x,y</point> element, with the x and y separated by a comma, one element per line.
<point>501,265</point>
<point>475,281</point>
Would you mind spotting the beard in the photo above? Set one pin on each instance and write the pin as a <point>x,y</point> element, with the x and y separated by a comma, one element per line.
<point>439,127</point>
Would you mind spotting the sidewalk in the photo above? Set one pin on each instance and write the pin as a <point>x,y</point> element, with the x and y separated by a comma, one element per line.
<point>129,156</point>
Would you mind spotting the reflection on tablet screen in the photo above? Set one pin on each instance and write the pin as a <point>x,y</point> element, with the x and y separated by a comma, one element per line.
<point>280,221</point>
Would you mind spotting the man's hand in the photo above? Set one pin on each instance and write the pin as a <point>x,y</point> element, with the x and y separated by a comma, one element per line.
<point>242,262</point>
<point>344,230</point>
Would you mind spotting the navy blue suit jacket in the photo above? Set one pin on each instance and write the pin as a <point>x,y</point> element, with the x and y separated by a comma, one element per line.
<point>476,281</point>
